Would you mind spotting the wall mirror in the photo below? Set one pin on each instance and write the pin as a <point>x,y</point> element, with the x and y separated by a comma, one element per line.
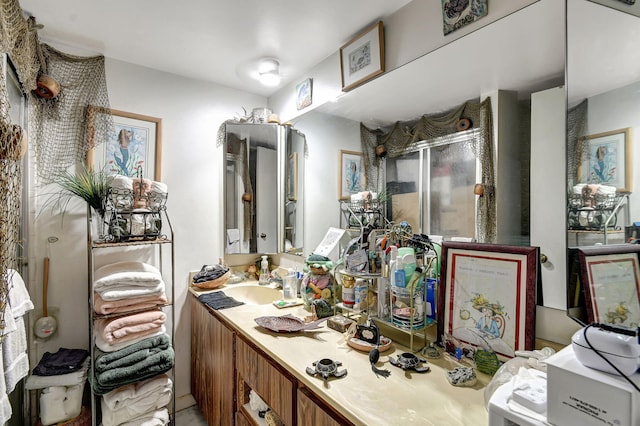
<point>603,90</point>
<point>468,68</point>
<point>263,214</point>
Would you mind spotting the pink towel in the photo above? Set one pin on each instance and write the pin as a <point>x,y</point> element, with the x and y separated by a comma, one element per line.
<point>105,307</point>
<point>127,328</point>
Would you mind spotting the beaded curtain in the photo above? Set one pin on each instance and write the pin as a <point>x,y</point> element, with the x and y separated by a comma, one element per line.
<point>408,136</point>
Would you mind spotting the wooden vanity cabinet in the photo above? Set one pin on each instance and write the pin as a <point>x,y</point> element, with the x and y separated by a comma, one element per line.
<point>225,364</point>
<point>274,385</point>
<point>212,365</point>
<point>314,412</point>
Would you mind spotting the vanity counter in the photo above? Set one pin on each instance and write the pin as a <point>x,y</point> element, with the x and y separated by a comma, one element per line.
<point>361,396</point>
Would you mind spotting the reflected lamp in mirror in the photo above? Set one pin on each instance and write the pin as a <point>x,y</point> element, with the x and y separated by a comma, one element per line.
<point>604,284</point>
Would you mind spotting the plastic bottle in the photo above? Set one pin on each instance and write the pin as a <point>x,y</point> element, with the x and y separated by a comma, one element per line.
<point>289,286</point>
<point>264,271</point>
<point>398,275</point>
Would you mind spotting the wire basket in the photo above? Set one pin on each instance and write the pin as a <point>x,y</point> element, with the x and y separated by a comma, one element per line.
<point>126,223</point>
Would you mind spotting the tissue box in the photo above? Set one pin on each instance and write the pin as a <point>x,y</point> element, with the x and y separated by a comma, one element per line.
<point>581,395</point>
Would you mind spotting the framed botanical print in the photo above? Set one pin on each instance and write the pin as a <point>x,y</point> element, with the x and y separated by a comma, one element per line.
<point>362,58</point>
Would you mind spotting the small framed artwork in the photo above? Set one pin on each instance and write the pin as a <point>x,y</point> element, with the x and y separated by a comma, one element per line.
<point>351,174</point>
<point>135,144</point>
<point>456,14</point>
<point>488,297</point>
<point>362,58</point>
<point>605,158</point>
<point>304,92</point>
<point>610,282</point>
<point>292,177</point>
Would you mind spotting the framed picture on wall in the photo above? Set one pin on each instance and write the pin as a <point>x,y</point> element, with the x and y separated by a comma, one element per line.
<point>351,179</point>
<point>605,158</point>
<point>457,14</point>
<point>135,145</point>
<point>488,296</point>
<point>362,58</point>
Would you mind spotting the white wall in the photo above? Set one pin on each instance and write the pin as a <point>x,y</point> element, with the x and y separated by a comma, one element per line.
<point>191,113</point>
<point>326,136</point>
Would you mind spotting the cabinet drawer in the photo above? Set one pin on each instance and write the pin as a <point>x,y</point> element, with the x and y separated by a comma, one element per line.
<point>267,380</point>
<point>314,412</point>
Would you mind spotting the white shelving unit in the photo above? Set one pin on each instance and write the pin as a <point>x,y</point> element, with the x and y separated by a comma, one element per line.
<point>155,248</point>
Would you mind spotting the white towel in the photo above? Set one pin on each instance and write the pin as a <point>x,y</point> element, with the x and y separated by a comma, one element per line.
<point>233,240</point>
<point>126,274</point>
<point>606,190</point>
<point>127,292</point>
<point>128,395</point>
<point>14,356</point>
<point>160,187</point>
<point>69,379</point>
<point>122,182</point>
<point>154,418</point>
<point>5,405</point>
<point>135,400</point>
<point>14,346</point>
<point>577,189</point>
<point>105,346</point>
<point>19,298</point>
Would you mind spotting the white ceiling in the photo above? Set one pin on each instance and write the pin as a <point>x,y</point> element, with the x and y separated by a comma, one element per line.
<point>210,40</point>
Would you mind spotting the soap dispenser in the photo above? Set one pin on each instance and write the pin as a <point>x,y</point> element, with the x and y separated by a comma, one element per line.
<point>264,271</point>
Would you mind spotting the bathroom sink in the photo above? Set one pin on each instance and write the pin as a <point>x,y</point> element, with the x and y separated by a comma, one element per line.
<point>253,294</point>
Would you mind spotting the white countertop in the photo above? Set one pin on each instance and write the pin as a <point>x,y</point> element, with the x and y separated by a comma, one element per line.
<point>403,398</point>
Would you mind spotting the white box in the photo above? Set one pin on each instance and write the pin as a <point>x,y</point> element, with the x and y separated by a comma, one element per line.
<point>581,395</point>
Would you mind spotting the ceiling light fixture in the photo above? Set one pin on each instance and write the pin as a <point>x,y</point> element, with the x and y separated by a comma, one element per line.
<point>269,72</point>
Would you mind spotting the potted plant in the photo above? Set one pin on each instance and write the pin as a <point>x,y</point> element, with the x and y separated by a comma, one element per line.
<point>86,184</point>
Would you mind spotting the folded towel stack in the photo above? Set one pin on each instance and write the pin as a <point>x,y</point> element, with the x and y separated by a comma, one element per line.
<point>141,360</point>
<point>133,351</point>
<point>114,333</point>
<point>132,401</point>
<point>128,279</point>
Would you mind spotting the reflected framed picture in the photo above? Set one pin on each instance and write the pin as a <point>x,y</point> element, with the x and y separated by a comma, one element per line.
<point>292,177</point>
<point>135,145</point>
<point>605,158</point>
<point>488,296</point>
<point>351,179</point>
<point>609,280</point>
<point>304,92</point>
<point>362,58</point>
